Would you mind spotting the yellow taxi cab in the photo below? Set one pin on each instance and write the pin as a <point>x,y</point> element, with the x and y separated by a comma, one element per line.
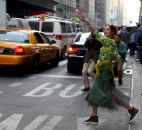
<point>20,46</point>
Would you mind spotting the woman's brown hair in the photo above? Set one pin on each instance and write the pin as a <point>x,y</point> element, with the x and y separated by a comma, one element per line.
<point>113,29</point>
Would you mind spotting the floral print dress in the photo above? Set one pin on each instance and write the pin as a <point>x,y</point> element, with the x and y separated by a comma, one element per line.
<point>108,52</point>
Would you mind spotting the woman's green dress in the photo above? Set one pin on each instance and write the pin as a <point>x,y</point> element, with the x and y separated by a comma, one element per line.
<point>103,92</point>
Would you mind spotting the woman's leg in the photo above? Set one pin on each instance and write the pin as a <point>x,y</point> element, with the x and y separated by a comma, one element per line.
<point>94,112</point>
<point>122,103</point>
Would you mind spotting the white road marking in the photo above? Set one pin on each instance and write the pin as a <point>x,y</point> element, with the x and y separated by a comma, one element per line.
<point>128,71</point>
<point>11,123</point>
<point>64,92</point>
<point>81,126</point>
<point>64,70</point>
<point>62,63</point>
<point>0,115</point>
<point>32,77</point>
<point>34,124</point>
<point>47,92</point>
<point>130,66</point>
<point>1,92</point>
<point>60,76</point>
<point>15,84</point>
<point>52,123</point>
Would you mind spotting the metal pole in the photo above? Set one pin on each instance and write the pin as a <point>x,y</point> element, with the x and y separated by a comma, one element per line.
<point>140,16</point>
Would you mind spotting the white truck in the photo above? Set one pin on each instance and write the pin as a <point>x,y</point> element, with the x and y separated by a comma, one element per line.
<point>4,17</point>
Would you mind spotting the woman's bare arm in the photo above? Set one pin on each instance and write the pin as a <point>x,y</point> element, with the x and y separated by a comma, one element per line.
<point>80,15</point>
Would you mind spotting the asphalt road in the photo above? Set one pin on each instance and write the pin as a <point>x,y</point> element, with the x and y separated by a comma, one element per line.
<point>52,100</point>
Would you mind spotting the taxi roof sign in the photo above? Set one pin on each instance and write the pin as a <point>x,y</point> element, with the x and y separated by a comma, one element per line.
<point>18,23</point>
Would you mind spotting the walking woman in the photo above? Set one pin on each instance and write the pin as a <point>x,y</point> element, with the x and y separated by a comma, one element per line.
<point>103,92</point>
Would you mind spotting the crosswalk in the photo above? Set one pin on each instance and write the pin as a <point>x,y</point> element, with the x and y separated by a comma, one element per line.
<point>45,123</point>
<point>46,87</point>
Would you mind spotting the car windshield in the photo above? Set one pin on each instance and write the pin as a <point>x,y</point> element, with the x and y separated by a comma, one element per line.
<point>9,36</point>
<point>81,37</point>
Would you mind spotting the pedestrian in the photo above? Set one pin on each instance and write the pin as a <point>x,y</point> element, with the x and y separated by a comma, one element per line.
<point>124,36</point>
<point>119,31</point>
<point>122,50</point>
<point>139,47</point>
<point>91,57</point>
<point>138,32</point>
<point>132,44</point>
<point>103,92</point>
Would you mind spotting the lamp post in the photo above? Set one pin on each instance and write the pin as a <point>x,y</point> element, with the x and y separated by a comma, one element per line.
<point>140,16</point>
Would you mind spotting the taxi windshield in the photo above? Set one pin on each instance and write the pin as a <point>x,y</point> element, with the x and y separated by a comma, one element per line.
<point>10,36</point>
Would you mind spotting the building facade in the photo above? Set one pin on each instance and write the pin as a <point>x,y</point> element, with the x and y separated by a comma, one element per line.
<point>92,12</point>
<point>100,9</point>
<point>59,9</point>
<point>22,8</point>
<point>69,7</point>
<point>119,12</point>
<point>84,6</point>
<point>108,11</point>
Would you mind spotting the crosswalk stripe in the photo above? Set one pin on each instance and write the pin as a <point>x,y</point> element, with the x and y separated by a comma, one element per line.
<point>11,123</point>
<point>34,124</point>
<point>0,115</point>
<point>52,123</point>
<point>15,84</point>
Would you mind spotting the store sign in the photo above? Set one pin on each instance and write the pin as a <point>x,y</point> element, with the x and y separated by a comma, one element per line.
<point>41,12</point>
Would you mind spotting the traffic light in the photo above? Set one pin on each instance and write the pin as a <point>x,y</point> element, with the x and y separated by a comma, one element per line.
<point>77,20</point>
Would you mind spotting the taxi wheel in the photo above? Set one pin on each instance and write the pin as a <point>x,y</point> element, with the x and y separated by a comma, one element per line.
<point>35,65</point>
<point>55,62</point>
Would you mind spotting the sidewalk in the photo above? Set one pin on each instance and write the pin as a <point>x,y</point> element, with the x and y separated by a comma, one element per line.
<point>136,95</point>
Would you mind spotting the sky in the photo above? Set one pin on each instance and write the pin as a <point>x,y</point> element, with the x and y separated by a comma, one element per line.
<point>133,7</point>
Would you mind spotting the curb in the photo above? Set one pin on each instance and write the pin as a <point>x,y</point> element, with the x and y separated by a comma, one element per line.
<point>136,98</point>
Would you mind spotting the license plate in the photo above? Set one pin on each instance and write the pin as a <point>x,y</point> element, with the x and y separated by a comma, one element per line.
<point>1,50</point>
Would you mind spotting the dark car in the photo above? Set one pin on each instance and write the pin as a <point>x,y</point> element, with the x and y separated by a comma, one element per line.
<point>76,52</point>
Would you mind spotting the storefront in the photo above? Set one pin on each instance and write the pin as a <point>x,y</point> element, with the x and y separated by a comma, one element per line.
<point>22,8</point>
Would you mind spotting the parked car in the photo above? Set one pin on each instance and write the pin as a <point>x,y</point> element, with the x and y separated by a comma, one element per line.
<point>59,29</point>
<point>25,47</point>
<point>76,52</point>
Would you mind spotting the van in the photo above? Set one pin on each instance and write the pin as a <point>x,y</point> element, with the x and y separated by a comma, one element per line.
<point>58,29</point>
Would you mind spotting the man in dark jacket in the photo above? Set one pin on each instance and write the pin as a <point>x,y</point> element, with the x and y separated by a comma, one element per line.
<point>90,60</point>
<point>124,36</point>
<point>138,33</point>
<point>139,47</point>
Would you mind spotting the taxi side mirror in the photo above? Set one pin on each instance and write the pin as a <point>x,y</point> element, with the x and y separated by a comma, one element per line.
<point>53,41</point>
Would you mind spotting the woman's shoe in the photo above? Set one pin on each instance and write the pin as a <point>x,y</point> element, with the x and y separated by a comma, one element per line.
<point>133,114</point>
<point>91,120</point>
<point>85,89</point>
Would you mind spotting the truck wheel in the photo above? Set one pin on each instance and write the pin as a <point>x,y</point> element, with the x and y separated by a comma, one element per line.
<point>63,56</point>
